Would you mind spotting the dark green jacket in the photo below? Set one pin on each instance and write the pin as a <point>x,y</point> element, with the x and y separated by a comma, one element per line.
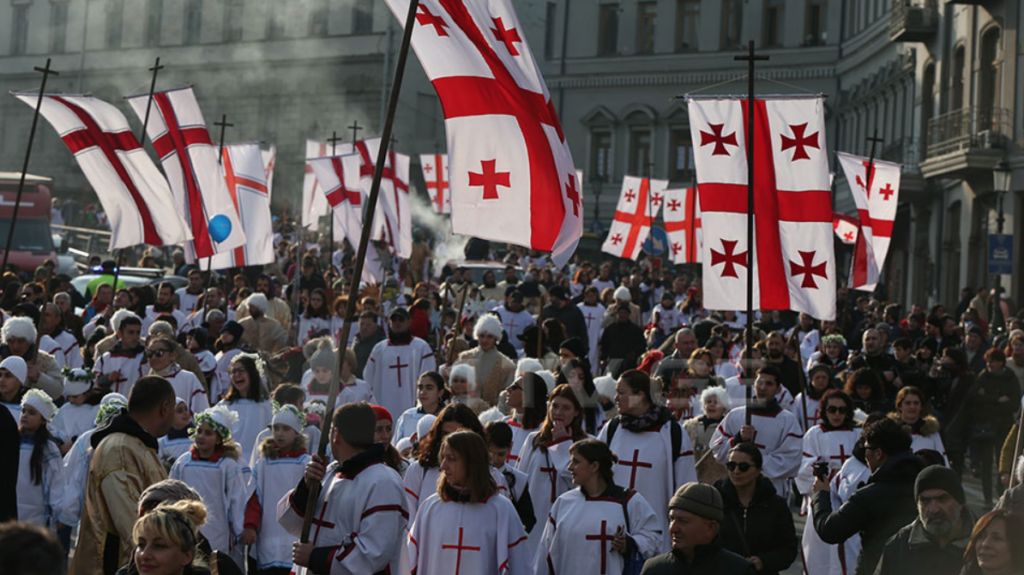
<point>912,550</point>
<point>708,560</point>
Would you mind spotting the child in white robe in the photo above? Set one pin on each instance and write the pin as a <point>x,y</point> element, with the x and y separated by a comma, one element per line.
<point>248,398</point>
<point>212,468</point>
<point>430,397</point>
<point>499,443</point>
<point>178,439</point>
<point>75,417</point>
<point>76,461</point>
<point>40,473</point>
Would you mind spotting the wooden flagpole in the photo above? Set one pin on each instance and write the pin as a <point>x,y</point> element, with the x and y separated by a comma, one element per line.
<point>334,139</point>
<point>750,58</point>
<point>24,167</point>
<point>357,273</point>
<point>223,123</point>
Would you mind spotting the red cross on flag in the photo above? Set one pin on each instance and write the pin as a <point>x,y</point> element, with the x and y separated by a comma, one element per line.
<point>512,175</point>
<point>638,206</point>
<point>246,178</point>
<point>683,225</point>
<point>846,228</point>
<point>876,205</point>
<point>269,162</point>
<point>314,204</point>
<point>435,174</point>
<point>191,161</point>
<point>392,221</point>
<point>794,267</point>
<point>133,192</point>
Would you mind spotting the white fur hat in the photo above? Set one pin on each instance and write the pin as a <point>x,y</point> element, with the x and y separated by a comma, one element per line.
<point>289,415</point>
<point>119,315</point>
<point>605,386</point>
<point>549,380</point>
<point>492,414</point>
<point>41,402</point>
<point>487,324</point>
<point>220,418</point>
<point>20,327</point>
<point>403,444</point>
<point>258,301</point>
<point>622,294</point>
<point>528,365</point>
<point>76,381</point>
<point>423,426</point>
<point>16,366</point>
<point>465,371</point>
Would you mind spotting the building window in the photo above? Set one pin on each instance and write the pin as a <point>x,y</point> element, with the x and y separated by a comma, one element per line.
<point>687,25</point>
<point>193,21</point>
<point>817,20</point>
<point>58,26</point>
<point>115,23</point>
<point>275,24</point>
<point>639,151</point>
<point>774,17</point>
<point>549,31</point>
<point>154,21</point>
<point>233,21</point>
<point>362,17</point>
<point>601,154</point>
<point>646,14</point>
<point>680,161</point>
<point>988,81</point>
<point>608,30</point>
<point>732,24</point>
<point>956,80</point>
<point>19,36</point>
<point>318,19</point>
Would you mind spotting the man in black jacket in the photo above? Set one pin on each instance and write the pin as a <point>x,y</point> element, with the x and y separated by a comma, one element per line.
<point>622,340</point>
<point>562,309</point>
<point>880,508</point>
<point>935,542</point>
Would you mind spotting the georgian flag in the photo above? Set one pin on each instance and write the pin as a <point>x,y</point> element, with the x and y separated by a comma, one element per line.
<point>269,162</point>
<point>846,228</point>
<point>191,161</point>
<point>314,204</point>
<point>794,267</point>
<point>876,205</point>
<point>134,194</point>
<point>245,176</point>
<point>435,175</point>
<point>681,215</point>
<point>392,222</point>
<point>638,206</point>
<point>512,175</point>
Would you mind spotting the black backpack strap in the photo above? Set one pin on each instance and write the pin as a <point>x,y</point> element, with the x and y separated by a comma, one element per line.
<point>677,439</point>
<point>613,425</point>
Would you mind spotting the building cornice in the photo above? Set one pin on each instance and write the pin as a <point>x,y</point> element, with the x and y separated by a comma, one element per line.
<point>689,79</point>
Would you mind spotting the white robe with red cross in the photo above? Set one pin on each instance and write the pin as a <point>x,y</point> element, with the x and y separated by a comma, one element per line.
<point>836,447</point>
<point>579,530</point>
<point>592,314</point>
<point>548,472</point>
<point>519,434</point>
<point>392,371</point>
<point>420,484</point>
<point>187,386</point>
<point>812,417</point>
<point>777,436</point>
<point>468,539</point>
<point>362,519</point>
<point>647,464</point>
<point>129,365</point>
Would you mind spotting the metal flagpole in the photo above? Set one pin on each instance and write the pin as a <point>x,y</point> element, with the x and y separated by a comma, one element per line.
<point>851,302</point>
<point>334,139</point>
<point>223,124</point>
<point>750,58</point>
<point>364,242</point>
<point>28,154</point>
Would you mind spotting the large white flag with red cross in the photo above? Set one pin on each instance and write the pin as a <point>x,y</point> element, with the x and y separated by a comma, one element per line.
<point>639,203</point>
<point>191,161</point>
<point>435,174</point>
<point>339,177</point>
<point>512,175</point>
<point>876,206</point>
<point>846,228</point>
<point>134,194</point>
<point>392,221</point>
<point>246,178</point>
<point>683,225</point>
<point>794,263</point>
<point>314,204</point>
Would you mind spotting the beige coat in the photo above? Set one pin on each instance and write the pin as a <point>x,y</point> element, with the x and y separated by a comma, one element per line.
<point>277,309</point>
<point>264,334</point>
<point>500,377</point>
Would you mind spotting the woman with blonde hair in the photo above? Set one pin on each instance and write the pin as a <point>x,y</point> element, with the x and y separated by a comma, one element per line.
<point>166,540</point>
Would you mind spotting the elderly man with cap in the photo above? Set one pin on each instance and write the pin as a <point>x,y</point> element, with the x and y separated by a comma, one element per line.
<point>260,331</point>
<point>514,318</point>
<point>396,363</point>
<point>494,371</point>
<point>935,542</point>
<point>361,506</point>
<point>622,296</point>
<point>695,514</point>
<point>19,339</point>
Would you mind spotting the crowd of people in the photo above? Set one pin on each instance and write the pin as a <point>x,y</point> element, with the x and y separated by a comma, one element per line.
<point>593,419</point>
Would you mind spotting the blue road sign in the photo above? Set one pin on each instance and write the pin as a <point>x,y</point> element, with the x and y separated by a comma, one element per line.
<point>1000,254</point>
<point>660,239</point>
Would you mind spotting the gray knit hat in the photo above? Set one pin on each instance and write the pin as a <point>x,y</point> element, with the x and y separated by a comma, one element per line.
<point>324,355</point>
<point>700,499</point>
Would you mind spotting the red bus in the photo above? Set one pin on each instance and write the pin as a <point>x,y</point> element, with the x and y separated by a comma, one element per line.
<point>32,243</point>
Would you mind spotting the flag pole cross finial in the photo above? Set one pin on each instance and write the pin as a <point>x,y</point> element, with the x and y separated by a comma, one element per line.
<point>750,58</point>
<point>874,139</point>
<point>355,127</point>
<point>223,124</point>
<point>334,139</point>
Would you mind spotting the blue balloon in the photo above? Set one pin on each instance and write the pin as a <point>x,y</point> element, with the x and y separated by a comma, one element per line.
<point>220,228</point>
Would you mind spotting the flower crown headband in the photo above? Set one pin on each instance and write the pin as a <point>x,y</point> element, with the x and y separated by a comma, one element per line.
<point>77,374</point>
<point>260,366</point>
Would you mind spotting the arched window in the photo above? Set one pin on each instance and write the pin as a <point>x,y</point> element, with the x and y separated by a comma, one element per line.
<point>988,80</point>
<point>956,79</point>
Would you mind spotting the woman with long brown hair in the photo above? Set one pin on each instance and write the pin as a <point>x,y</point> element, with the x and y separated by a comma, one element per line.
<point>995,547</point>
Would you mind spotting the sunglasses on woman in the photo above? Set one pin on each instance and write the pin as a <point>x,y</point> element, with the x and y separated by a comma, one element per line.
<point>836,409</point>
<point>158,353</point>
<point>743,466</point>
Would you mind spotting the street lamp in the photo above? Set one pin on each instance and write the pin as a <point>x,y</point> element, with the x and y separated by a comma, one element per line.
<point>1001,176</point>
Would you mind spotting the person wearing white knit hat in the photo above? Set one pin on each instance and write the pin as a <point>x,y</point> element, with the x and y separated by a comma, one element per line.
<point>494,371</point>
<point>622,295</point>
<point>13,372</point>
<point>19,339</point>
<point>212,467</point>
<point>75,417</point>
<point>40,471</point>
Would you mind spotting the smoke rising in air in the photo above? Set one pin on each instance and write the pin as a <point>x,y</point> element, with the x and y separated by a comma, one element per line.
<point>447,246</point>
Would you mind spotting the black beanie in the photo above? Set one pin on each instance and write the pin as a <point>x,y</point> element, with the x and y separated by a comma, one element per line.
<point>575,345</point>
<point>939,477</point>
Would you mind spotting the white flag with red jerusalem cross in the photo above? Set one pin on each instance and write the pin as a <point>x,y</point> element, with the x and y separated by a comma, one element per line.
<point>269,161</point>
<point>512,175</point>
<point>638,207</point>
<point>314,204</point>
<point>245,176</point>
<point>435,174</point>
<point>794,264</point>
<point>845,227</point>
<point>392,220</point>
<point>178,132</point>
<point>683,225</point>
<point>876,205</point>
<point>134,194</point>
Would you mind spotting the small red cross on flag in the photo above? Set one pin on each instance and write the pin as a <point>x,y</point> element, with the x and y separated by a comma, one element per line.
<point>435,175</point>
<point>876,206</point>
<point>392,222</point>
<point>633,216</point>
<point>794,260</point>
<point>501,126</point>
<point>683,225</point>
<point>845,227</point>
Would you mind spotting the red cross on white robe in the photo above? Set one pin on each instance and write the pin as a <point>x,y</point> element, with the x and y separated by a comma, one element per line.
<point>604,538</point>
<point>459,549</point>
<point>398,366</point>
<point>634,464</point>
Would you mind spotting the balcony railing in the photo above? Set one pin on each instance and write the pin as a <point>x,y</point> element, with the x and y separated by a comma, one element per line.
<point>906,151</point>
<point>913,20</point>
<point>960,130</point>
